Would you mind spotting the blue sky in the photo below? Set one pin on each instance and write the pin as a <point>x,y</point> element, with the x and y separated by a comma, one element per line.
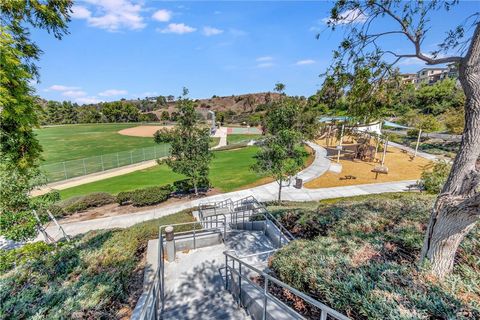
<point>128,49</point>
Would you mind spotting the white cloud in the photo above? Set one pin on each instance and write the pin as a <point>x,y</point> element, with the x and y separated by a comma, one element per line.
<point>59,87</point>
<point>74,93</point>
<point>112,92</point>
<point>111,15</point>
<point>265,65</point>
<point>88,100</point>
<point>349,16</point>
<point>263,59</point>
<point>162,15</point>
<point>304,62</point>
<point>80,12</point>
<point>210,31</point>
<point>237,32</point>
<point>178,28</point>
<point>411,62</point>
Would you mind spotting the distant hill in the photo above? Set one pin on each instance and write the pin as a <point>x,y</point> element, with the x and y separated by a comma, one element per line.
<point>244,103</point>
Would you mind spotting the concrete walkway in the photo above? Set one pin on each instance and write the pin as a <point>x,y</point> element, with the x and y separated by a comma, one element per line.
<point>425,155</point>
<point>222,134</point>
<point>267,192</point>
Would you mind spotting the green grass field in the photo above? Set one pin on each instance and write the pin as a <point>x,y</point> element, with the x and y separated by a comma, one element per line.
<point>230,170</point>
<point>70,142</point>
<point>236,138</point>
<point>62,143</point>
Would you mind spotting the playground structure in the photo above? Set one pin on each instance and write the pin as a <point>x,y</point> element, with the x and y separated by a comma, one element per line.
<point>365,141</point>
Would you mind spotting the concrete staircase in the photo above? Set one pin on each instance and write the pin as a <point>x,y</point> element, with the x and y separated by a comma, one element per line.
<point>215,270</point>
<point>194,283</point>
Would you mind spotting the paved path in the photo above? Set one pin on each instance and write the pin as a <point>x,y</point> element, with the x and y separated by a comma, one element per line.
<point>266,192</point>
<point>222,134</point>
<point>412,151</point>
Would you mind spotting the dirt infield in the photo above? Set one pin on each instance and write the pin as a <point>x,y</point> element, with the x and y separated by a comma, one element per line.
<point>142,131</point>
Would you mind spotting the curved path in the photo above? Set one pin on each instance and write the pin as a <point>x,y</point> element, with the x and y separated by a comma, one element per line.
<point>267,192</point>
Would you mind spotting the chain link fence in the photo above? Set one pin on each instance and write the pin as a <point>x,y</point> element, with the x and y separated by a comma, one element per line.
<point>75,168</point>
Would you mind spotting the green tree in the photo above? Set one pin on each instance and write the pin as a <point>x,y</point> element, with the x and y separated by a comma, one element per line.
<point>20,150</point>
<point>279,87</point>
<point>189,144</point>
<point>454,120</point>
<point>165,116</point>
<point>439,97</point>
<point>282,153</point>
<point>456,210</point>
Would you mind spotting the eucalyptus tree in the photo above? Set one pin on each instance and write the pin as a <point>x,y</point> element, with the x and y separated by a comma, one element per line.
<point>366,28</point>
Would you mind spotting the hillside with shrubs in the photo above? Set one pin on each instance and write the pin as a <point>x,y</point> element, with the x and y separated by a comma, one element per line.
<point>359,256</point>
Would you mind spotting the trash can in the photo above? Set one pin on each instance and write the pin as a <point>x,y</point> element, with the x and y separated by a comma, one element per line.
<point>298,183</point>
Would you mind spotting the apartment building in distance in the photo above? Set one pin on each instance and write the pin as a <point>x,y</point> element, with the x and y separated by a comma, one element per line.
<point>431,75</point>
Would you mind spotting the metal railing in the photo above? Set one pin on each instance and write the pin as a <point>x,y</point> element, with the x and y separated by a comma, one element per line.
<point>80,167</point>
<point>244,205</point>
<point>154,303</point>
<point>235,269</point>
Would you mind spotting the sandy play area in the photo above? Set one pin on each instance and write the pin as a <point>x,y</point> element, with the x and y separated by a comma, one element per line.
<point>400,167</point>
<point>142,131</point>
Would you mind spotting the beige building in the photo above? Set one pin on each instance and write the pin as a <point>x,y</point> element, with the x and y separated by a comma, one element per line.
<point>430,75</point>
<point>408,78</point>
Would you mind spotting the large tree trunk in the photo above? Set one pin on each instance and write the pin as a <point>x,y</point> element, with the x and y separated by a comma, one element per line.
<point>457,208</point>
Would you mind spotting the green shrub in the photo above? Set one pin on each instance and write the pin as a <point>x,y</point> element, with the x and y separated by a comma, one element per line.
<point>433,178</point>
<point>88,201</point>
<point>146,196</point>
<point>360,258</point>
<point>149,196</point>
<point>186,185</point>
<point>96,276</point>
<point>56,210</point>
<point>28,252</point>
<point>124,197</point>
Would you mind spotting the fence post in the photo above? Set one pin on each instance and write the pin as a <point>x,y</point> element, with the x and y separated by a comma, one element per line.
<point>143,149</point>
<point>101,159</point>
<point>131,158</point>
<point>155,151</point>
<point>118,162</point>
<point>65,170</point>
<point>84,167</point>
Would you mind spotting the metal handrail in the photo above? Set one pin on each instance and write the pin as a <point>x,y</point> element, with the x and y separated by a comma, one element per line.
<point>156,291</point>
<point>160,251</point>
<point>325,310</point>
<point>266,213</point>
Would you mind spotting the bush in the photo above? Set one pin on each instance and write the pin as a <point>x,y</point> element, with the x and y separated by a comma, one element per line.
<point>56,210</point>
<point>28,252</point>
<point>146,196</point>
<point>99,275</point>
<point>360,257</point>
<point>186,185</point>
<point>434,177</point>
<point>123,198</point>
<point>88,201</point>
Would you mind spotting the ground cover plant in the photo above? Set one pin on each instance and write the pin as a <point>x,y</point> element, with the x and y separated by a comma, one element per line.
<point>360,257</point>
<point>68,142</point>
<point>98,275</point>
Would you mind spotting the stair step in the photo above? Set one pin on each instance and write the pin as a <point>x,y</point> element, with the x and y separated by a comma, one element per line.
<point>220,305</point>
